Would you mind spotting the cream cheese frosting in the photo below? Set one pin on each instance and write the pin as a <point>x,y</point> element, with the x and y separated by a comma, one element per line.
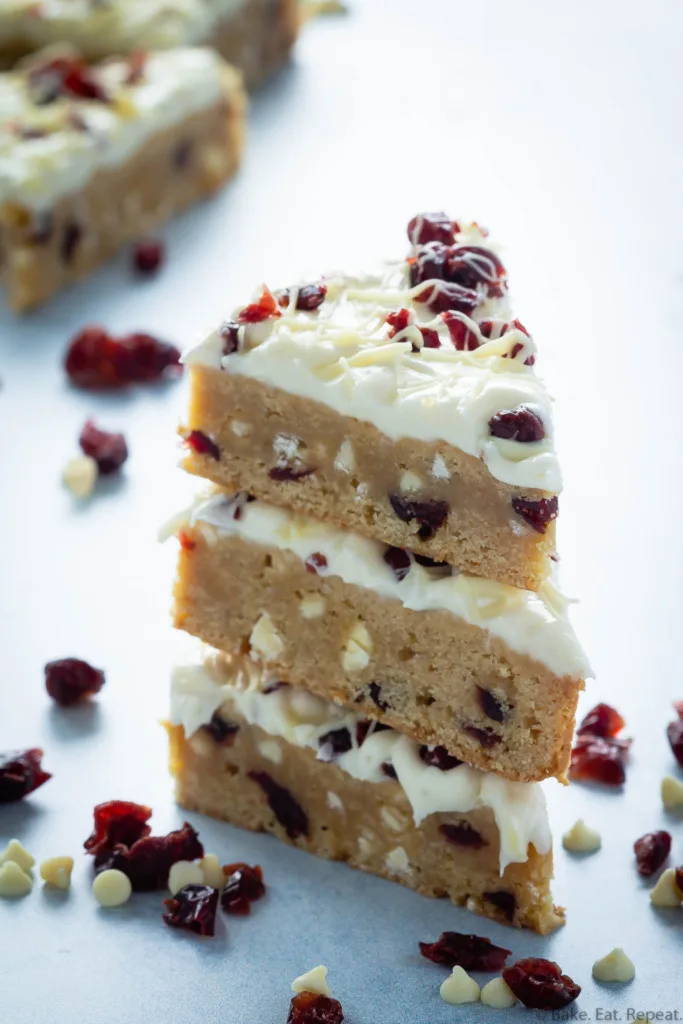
<point>298,717</point>
<point>343,356</point>
<point>35,171</point>
<point>535,624</point>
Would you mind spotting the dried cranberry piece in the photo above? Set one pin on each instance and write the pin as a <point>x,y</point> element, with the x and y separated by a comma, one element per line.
<point>430,563</point>
<point>220,730</point>
<point>430,339</point>
<point>70,238</point>
<point>312,1008</point>
<point>70,680</point>
<point>398,321</point>
<point>375,690</point>
<point>64,76</point>
<point>148,861</point>
<point>80,82</point>
<point>186,542</point>
<point>244,885</point>
<point>521,424</point>
<point>21,772</point>
<point>537,513</point>
<point>463,337</point>
<point>202,444</point>
<point>316,563</point>
<point>651,851</point>
<point>599,759</point>
<point>444,295</point>
<point>109,450</point>
<point>288,473</point>
<point>429,263</point>
<point>288,812</point>
<point>494,329</point>
<point>333,744</point>
<point>430,515</point>
<point>229,332</point>
<point>473,266</point>
<point>471,952</point>
<point>431,227</point>
<point>148,257</point>
<point>194,909</point>
<point>256,312</point>
<point>95,359</point>
<point>117,823</point>
<point>540,984</point>
<point>674,732</point>
<point>144,358</point>
<point>398,560</point>
<point>490,705</point>
<point>603,720</point>
<point>505,901</point>
<point>487,737</point>
<point>438,757</point>
<point>388,770</point>
<point>462,834</point>
<point>311,297</point>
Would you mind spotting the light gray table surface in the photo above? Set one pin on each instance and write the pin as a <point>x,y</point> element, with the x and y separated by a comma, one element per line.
<point>559,126</point>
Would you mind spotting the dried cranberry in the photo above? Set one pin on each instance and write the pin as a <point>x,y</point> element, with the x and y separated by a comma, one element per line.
<point>21,772</point>
<point>388,770</point>
<point>398,560</point>
<point>506,902</point>
<point>674,732</point>
<point>64,76</point>
<point>185,541</point>
<point>490,705</point>
<point>229,332</point>
<point>430,339</point>
<point>430,515</point>
<point>148,257</point>
<point>333,744</point>
<point>599,759</point>
<point>487,737</point>
<point>375,690</point>
<point>430,563</point>
<point>288,812</point>
<point>462,834</point>
<point>70,680</point>
<point>80,82</point>
<point>521,424</point>
<point>316,563</point>
<point>438,757</point>
<point>309,297</point>
<point>220,730</point>
<point>540,984</point>
<point>473,266</point>
<point>288,473</point>
<point>431,227</point>
<point>651,851</point>
<point>194,909</point>
<point>70,238</point>
<point>202,444</point>
<point>537,513</point>
<point>244,885</point>
<point>398,321</point>
<point>401,319</point>
<point>443,296</point>
<point>117,822</point>
<point>463,337</point>
<point>109,450</point>
<point>429,263</point>
<point>95,359</point>
<point>603,720</point>
<point>494,329</point>
<point>312,1008</point>
<point>256,312</point>
<point>471,952</point>
<point>148,861</point>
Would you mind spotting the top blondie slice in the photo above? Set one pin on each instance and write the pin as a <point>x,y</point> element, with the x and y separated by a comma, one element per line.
<point>401,404</point>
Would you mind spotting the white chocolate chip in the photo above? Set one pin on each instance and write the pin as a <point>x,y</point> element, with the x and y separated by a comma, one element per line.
<point>212,871</point>
<point>271,750</point>
<point>334,802</point>
<point>391,819</point>
<point>182,873</point>
<point>497,994</point>
<point>365,847</point>
<point>265,639</point>
<point>314,980</point>
<point>312,606</point>
<point>112,888</point>
<point>80,476</point>
<point>15,852</point>
<point>241,429</point>
<point>410,483</point>
<point>14,881</point>
<point>459,988</point>
<point>397,861</point>
<point>286,447</point>
<point>581,838</point>
<point>345,462</point>
<point>666,893</point>
<point>56,872</point>
<point>439,468</point>
<point>359,647</point>
<point>672,792</point>
<point>616,966</point>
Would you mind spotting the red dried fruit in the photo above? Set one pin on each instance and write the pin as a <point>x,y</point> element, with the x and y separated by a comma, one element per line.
<point>288,812</point>
<point>430,515</point>
<point>438,757</point>
<point>221,731</point>
<point>309,297</point>
<point>95,359</point>
<point>487,737</point>
<point>21,772</point>
<point>244,885</point>
<point>256,312</point>
<point>148,257</point>
<point>599,759</point>
<point>494,329</point>
<point>286,473</point>
<point>316,563</point>
<point>398,321</point>
<point>117,822</point>
<point>194,909</point>
<point>388,770</point>
<point>334,743</point>
<point>538,514</point>
<point>398,560</point>
<point>521,424</point>
<point>185,541</point>
<point>603,720</point>
<point>651,851</point>
<point>432,227</point>
<point>109,450</point>
<point>540,984</point>
<point>202,444</point>
<point>64,76</point>
<point>70,680</point>
<point>462,834</point>
<point>473,266</point>
<point>490,705</point>
<point>463,337</point>
<point>149,860</point>
<point>506,902</point>
<point>429,263</point>
<point>229,332</point>
<point>471,952</point>
<point>674,732</point>
<point>444,295</point>
<point>375,690</point>
<point>430,563</point>
<point>312,1008</point>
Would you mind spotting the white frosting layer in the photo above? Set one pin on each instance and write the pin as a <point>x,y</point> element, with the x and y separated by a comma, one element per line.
<point>197,691</point>
<point>36,171</point>
<point>535,624</point>
<point>342,355</point>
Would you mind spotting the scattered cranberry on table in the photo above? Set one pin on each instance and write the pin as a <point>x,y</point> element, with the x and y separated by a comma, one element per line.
<point>70,680</point>
<point>21,773</point>
<point>471,952</point>
<point>313,1008</point>
<point>148,257</point>
<point>540,984</point>
<point>108,449</point>
<point>194,909</point>
<point>243,885</point>
<point>599,754</point>
<point>651,851</point>
<point>96,360</point>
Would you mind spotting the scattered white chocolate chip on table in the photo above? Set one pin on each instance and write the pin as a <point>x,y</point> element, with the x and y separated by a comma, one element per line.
<point>497,994</point>
<point>56,872</point>
<point>459,988</point>
<point>666,893</point>
<point>80,476</point>
<point>212,871</point>
<point>112,888</point>
<point>182,873</point>
<point>616,966</point>
<point>672,792</point>
<point>581,838</point>
<point>16,853</point>
<point>14,881</point>
<point>314,980</point>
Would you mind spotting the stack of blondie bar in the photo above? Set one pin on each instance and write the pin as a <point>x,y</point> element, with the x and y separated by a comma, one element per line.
<point>391,669</point>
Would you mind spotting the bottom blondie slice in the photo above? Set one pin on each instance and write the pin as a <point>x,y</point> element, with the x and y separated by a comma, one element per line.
<point>272,757</point>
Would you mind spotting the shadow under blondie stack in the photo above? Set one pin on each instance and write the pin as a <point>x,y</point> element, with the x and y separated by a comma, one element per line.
<point>390,670</point>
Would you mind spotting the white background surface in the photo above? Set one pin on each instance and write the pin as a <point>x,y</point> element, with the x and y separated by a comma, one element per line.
<point>558,125</point>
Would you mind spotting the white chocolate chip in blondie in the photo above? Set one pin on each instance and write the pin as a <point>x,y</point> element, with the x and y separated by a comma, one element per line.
<point>459,988</point>
<point>314,980</point>
<point>286,447</point>
<point>666,893</point>
<point>212,871</point>
<point>397,861</point>
<point>16,853</point>
<point>439,468</point>
<point>497,994</point>
<point>391,819</point>
<point>56,872</point>
<point>334,802</point>
<point>581,838</point>
<point>265,640</point>
<point>80,476</point>
<point>312,606</point>
<point>112,888</point>
<point>14,881</point>
<point>271,750</point>
<point>672,792</point>
<point>182,873</point>
<point>345,461</point>
<point>410,483</point>
<point>359,647</point>
<point>616,966</point>
<point>240,428</point>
